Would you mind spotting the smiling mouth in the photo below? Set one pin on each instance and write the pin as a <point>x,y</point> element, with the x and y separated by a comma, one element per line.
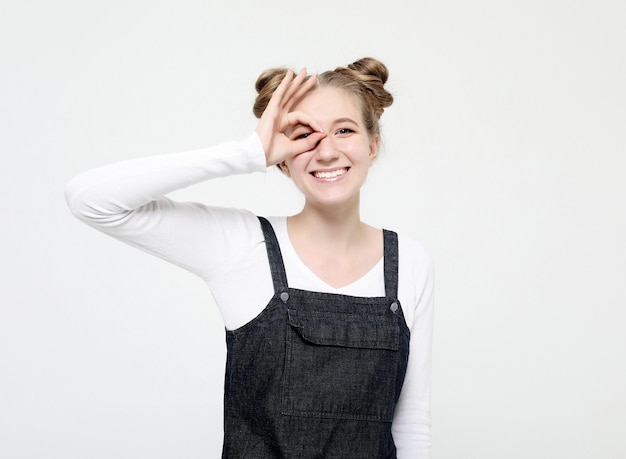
<point>329,175</point>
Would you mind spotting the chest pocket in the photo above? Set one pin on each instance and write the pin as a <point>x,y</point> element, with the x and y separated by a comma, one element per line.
<point>341,366</point>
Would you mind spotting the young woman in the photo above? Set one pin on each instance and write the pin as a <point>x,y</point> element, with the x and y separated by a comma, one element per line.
<point>328,320</point>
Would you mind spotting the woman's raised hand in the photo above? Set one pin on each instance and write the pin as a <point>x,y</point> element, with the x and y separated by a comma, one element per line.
<point>278,120</point>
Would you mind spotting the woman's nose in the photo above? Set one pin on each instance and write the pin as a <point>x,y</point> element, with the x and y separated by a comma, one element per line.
<point>325,150</point>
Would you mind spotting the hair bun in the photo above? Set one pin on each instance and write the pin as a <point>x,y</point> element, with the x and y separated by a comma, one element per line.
<point>371,67</point>
<point>265,86</point>
<point>372,75</point>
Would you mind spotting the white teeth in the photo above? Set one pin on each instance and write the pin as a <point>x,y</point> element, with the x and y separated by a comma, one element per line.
<point>329,174</point>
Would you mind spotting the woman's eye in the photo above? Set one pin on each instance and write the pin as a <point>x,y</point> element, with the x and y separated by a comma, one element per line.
<point>304,135</point>
<point>344,131</point>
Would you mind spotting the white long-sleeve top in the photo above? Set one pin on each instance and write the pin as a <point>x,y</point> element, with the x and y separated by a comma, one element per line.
<point>226,248</point>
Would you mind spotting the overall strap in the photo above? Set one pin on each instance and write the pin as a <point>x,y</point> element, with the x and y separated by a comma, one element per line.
<point>279,276</point>
<point>391,263</point>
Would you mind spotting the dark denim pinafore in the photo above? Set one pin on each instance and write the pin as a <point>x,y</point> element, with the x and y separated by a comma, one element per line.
<point>316,375</point>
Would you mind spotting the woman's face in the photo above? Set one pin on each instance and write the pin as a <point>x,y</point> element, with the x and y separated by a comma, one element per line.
<point>333,172</point>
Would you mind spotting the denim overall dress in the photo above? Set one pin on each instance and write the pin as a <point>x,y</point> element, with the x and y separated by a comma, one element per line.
<point>316,375</point>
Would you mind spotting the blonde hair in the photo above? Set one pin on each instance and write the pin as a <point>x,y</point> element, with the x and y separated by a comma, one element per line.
<point>364,78</point>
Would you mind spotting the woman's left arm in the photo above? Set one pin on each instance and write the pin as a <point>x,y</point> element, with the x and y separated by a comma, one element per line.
<point>411,424</point>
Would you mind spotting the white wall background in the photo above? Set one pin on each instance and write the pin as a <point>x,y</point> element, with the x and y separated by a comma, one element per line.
<point>504,154</point>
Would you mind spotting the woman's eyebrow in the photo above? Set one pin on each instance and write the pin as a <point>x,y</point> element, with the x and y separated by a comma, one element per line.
<point>345,120</point>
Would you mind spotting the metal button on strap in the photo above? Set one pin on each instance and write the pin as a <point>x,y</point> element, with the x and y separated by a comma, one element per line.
<point>284,297</point>
<point>394,307</point>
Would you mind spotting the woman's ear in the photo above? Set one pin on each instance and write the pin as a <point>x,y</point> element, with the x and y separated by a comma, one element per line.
<point>284,168</point>
<point>374,145</point>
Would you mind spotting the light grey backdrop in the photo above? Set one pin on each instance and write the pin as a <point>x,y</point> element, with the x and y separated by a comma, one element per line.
<point>503,154</point>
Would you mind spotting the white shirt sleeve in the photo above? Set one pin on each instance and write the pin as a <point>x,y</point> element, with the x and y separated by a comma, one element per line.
<point>127,201</point>
<point>411,424</point>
